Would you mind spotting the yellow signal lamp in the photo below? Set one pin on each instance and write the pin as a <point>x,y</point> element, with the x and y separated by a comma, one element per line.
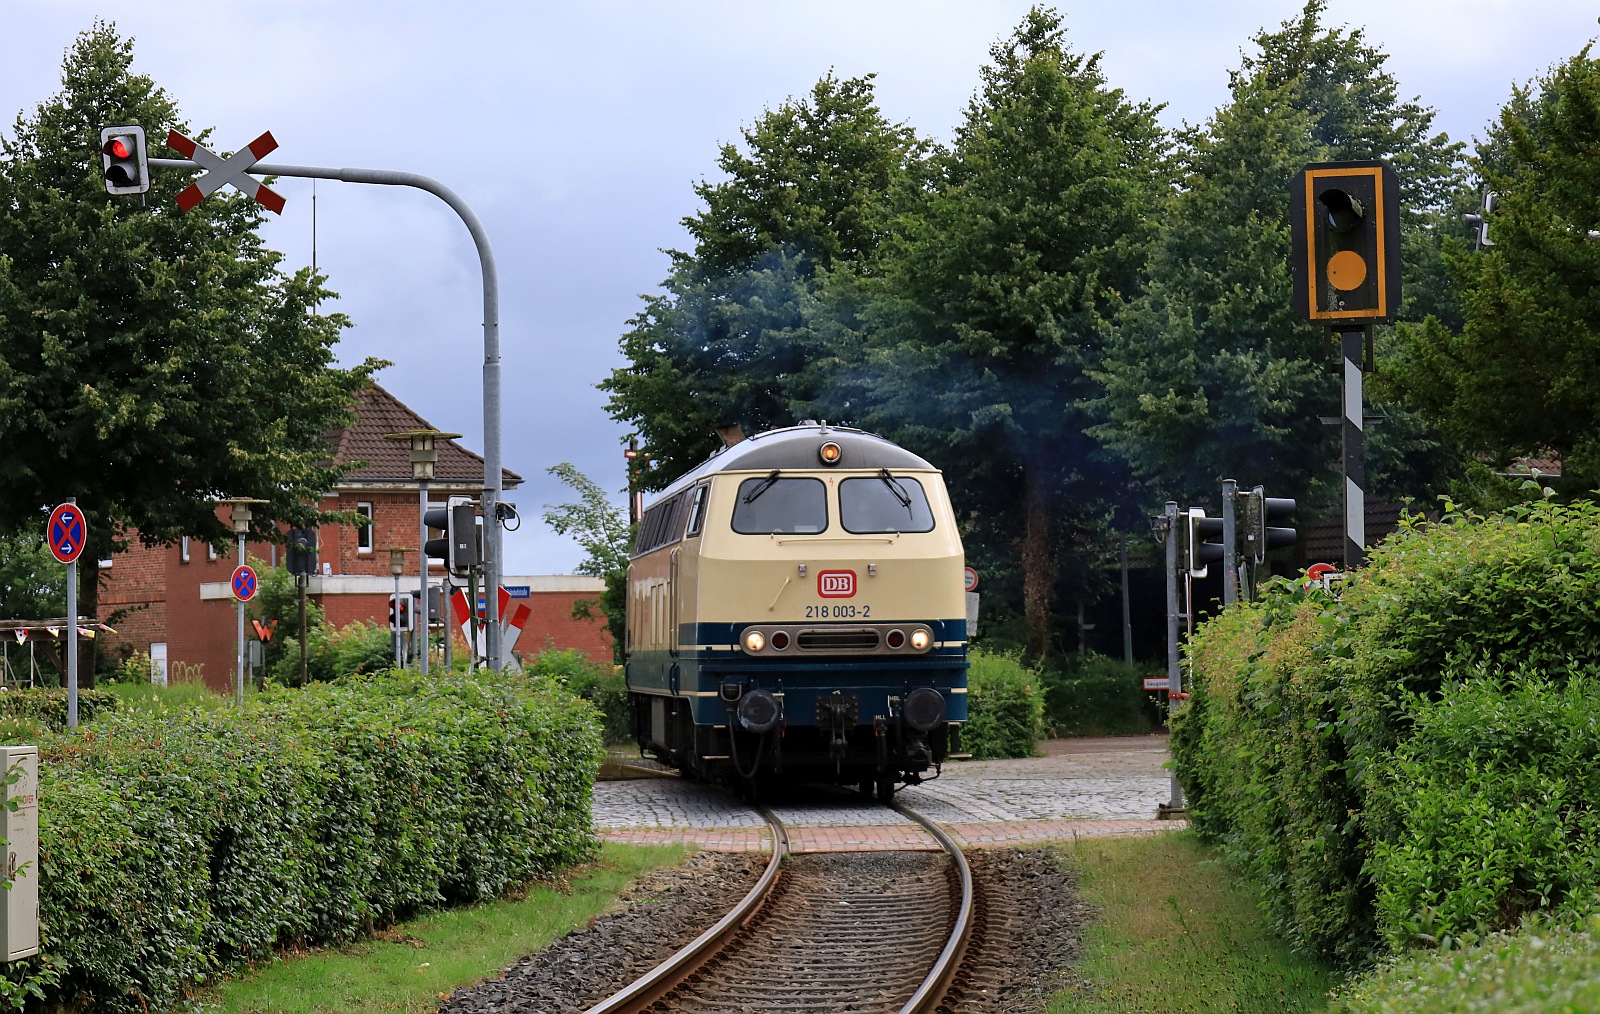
<point>830,453</point>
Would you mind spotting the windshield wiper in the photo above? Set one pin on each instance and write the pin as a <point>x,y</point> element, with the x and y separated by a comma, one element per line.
<point>762,487</point>
<point>898,490</point>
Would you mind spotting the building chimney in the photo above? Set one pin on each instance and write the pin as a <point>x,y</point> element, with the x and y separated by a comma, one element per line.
<point>729,433</point>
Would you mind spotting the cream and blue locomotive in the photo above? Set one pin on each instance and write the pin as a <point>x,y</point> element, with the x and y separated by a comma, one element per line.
<point>797,611</point>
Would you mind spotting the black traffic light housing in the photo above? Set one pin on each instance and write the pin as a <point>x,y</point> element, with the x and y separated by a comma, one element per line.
<point>123,160</point>
<point>1344,218</point>
<point>1204,541</point>
<point>400,617</point>
<point>460,548</point>
<point>302,554</point>
<point>1263,523</point>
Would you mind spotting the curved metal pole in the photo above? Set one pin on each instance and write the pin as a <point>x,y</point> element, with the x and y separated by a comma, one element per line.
<point>492,471</point>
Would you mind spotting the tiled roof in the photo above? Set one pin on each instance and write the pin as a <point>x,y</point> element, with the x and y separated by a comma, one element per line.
<point>1547,465</point>
<point>378,413</point>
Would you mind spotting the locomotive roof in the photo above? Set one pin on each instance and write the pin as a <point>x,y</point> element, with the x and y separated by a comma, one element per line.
<point>796,448</point>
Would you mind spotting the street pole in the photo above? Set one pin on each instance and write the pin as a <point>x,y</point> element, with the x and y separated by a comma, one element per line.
<point>238,692</point>
<point>1127,613</point>
<point>1174,670</point>
<point>421,621</point>
<point>1230,564</point>
<point>72,635</point>
<point>492,470</point>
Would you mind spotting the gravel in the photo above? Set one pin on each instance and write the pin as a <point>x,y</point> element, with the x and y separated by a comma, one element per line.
<point>1031,921</point>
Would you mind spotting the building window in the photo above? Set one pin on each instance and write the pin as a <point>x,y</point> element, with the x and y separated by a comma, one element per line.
<point>364,532</point>
<point>211,551</point>
<point>183,550</point>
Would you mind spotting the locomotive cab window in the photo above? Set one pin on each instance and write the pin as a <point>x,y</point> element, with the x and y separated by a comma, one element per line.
<point>884,503</point>
<point>778,506</point>
<point>697,511</point>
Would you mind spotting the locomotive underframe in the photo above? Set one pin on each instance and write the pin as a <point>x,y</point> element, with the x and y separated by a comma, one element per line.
<point>839,722</point>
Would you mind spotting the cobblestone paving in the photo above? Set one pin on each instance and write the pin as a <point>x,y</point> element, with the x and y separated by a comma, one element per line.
<point>1080,788</point>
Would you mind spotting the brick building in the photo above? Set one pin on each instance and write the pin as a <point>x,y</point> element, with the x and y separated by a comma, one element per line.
<point>175,603</point>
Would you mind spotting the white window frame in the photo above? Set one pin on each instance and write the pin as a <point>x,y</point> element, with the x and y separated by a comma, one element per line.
<point>183,549</point>
<point>364,532</point>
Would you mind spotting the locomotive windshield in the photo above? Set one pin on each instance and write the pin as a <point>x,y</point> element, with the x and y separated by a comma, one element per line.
<point>884,503</point>
<point>776,506</point>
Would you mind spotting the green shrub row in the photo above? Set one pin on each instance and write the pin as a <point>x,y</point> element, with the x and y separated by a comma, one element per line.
<point>178,848</point>
<point>1094,695</point>
<point>1546,965</point>
<point>1005,708</point>
<point>600,684</point>
<point>1406,761</point>
<point>47,707</point>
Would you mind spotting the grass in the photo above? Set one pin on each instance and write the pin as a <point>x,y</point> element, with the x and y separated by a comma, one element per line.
<point>138,695</point>
<point>1179,931</point>
<point>412,965</point>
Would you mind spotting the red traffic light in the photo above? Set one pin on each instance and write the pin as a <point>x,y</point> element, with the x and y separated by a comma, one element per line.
<point>118,147</point>
<point>123,161</point>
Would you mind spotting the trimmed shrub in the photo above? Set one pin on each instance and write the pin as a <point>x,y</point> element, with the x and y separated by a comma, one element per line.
<point>1367,755</point>
<point>1095,695</point>
<point>46,708</point>
<point>360,647</point>
<point>175,849</point>
<point>601,685</point>
<point>1546,966</point>
<point>1005,709</point>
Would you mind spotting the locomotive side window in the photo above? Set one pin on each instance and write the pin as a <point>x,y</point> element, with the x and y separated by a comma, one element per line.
<point>662,524</point>
<point>884,503</point>
<point>774,506</point>
<point>697,511</point>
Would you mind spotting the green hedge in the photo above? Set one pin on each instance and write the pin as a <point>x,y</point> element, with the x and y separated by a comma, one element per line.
<point>601,684</point>
<point>48,707</point>
<point>1005,708</point>
<point>177,849</point>
<point>1094,695</point>
<point>1545,966</point>
<point>1406,761</point>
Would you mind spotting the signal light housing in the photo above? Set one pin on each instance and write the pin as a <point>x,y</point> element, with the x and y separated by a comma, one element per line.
<point>830,453</point>
<point>1260,535</point>
<point>1204,541</point>
<point>1344,218</point>
<point>460,549</point>
<point>123,160</point>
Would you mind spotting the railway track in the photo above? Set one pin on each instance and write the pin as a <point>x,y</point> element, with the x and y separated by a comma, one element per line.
<point>863,932</point>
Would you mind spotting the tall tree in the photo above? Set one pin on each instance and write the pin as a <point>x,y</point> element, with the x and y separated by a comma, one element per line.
<point>1518,375</point>
<point>984,314</point>
<point>1210,374</point>
<point>726,340</point>
<point>153,361</point>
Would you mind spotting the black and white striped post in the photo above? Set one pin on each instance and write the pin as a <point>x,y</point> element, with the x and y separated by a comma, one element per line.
<point>1352,343</point>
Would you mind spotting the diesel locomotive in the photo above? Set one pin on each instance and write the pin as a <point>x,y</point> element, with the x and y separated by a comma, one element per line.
<point>796,611</point>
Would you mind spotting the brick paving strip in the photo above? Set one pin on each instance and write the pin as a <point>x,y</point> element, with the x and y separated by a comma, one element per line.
<point>1079,788</point>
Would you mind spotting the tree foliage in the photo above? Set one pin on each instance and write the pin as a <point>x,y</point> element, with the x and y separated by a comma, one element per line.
<point>983,315</point>
<point>154,361</point>
<point>1211,373</point>
<point>727,340</point>
<point>1518,375</point>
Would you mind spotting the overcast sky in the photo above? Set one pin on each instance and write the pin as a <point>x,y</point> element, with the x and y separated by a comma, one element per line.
<point>575,131</point>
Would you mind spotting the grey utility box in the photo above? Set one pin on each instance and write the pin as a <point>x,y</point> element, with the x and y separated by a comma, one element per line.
<point>21,922</point>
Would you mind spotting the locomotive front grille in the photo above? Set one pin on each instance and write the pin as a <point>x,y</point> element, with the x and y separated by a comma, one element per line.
<point>850,639</point>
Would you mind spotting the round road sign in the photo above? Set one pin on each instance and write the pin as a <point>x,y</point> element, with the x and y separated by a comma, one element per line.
<point>244,583</point>
<point>972,579</point>
<point>67,533</point>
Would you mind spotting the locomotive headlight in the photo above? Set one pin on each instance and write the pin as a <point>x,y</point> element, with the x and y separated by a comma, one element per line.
<point>754,641</point>
<point>919,639</point>
<point>830,453</point>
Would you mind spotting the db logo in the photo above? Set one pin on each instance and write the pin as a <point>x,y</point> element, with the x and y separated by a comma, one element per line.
<point>836,584</point>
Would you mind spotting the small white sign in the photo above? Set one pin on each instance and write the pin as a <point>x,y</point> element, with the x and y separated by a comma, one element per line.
<point>1157,683</point>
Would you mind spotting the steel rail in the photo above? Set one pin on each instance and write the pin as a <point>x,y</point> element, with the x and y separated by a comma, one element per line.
<point>671,972</point>
<point>937,982</point>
